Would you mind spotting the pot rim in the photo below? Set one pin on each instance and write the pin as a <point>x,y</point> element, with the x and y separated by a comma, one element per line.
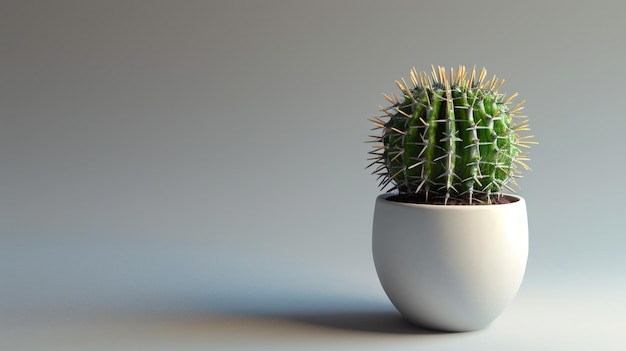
<point>517,200</point>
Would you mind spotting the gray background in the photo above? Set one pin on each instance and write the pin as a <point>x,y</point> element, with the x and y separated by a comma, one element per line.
<point>198,166</point>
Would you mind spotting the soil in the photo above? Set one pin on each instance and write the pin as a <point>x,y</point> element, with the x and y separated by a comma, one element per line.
<point>420,199</point>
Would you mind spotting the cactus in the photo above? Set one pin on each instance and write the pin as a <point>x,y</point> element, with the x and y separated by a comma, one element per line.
<point>451,138</point>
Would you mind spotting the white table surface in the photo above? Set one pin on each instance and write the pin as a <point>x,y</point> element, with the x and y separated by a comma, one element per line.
<point>126,295</point>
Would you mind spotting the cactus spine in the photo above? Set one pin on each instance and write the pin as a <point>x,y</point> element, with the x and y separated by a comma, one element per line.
<point>450,138</point>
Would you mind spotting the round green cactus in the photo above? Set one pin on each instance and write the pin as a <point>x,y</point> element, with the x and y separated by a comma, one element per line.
<point>450,138</point>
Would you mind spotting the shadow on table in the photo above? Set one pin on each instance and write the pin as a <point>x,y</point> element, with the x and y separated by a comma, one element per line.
<point>385,322</point>
<point>338,313</point>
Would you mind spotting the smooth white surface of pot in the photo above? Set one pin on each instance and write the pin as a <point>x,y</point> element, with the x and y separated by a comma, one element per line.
<point>452,268</point>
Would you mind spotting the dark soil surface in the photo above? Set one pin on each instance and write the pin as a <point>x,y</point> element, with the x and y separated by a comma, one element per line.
<point>420,199</point>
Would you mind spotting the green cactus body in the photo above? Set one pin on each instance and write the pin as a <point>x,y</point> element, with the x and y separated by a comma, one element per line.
<point>450,138</point>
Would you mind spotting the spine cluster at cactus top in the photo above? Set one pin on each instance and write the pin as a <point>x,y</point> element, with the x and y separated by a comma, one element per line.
<point>451,137</point>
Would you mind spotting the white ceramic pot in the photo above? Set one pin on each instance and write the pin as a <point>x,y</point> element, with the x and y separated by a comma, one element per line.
<point>451,268</point>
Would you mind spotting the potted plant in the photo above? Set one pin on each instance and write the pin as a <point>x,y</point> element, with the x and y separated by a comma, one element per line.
<point>450,241</point>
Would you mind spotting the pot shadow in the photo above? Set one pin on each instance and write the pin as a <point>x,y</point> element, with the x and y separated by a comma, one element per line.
<point>347,314</point>
<point>382,322</point>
